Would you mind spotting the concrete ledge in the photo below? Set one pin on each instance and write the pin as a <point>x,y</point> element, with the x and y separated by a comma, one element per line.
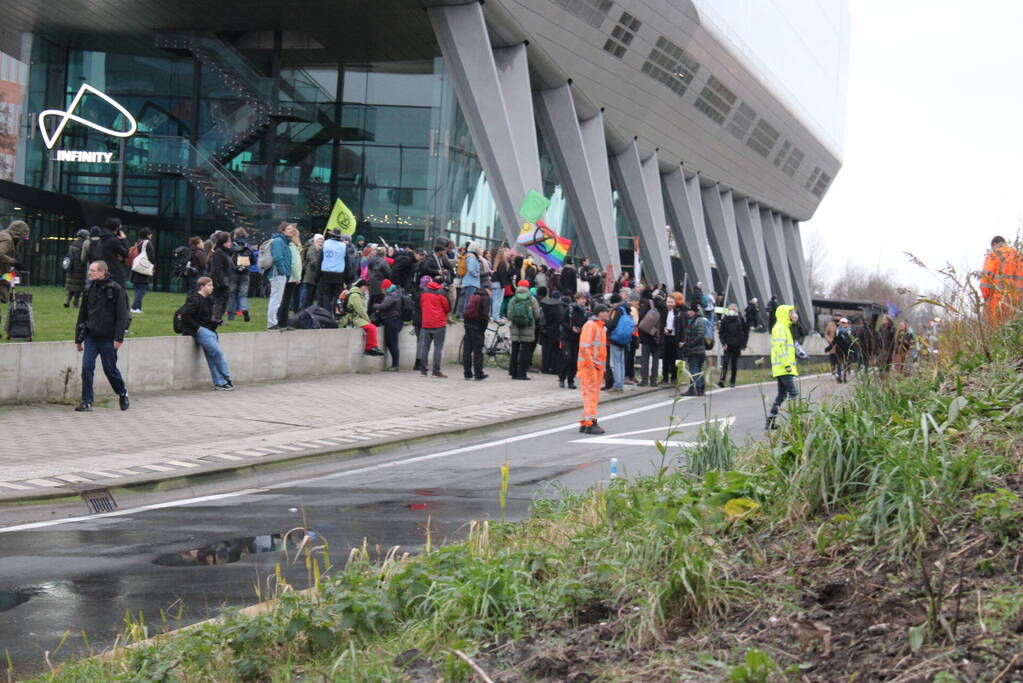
<point>35,372</point>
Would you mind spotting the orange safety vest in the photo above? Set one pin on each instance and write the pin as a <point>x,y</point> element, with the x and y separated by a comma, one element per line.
<point>1002,280</point>
<point>593,345</point>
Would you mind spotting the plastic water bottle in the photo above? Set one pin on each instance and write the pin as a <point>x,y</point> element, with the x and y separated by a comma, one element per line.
<point>614,468</point>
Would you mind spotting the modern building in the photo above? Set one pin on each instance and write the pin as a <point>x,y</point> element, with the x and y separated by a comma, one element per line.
<point>707,129</point>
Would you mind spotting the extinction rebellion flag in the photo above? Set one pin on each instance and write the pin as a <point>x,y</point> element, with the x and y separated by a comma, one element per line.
<point>341,218</point>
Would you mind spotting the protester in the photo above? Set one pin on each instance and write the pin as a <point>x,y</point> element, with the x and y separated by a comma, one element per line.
<point>568,281</point>
<point>571,327</point>
<point>74,277</point>
<point>356,316</point>
<point>389,313</point>
<point>113,249</point>
<point>783,359</point>
<point>671,323</point>
<point>631,297</point>
<point>279,275</point>
<point>221,267</point>
<point>501,285</point>
<point>753,314</point>
<point>434,307</point>
<point>470,276</point>
<point>331,268</point>
<point>10,241</point>
<point>377,270</point>
<point>198,320</point>
<point>843,345</point>
<point>649,327</point>
<point>830,348</point>
<point>1001,281</point>
<point>772,308</point>
<point>902,347</point>
<point>693,345</point>
<point>312,256</point>
<point>523,314</point>
<point>476,315</point>
<point>143,266</point>
<point>99,331</point>
<point>734,335</point>
<point>552,307</point>
<point>620,326</point>
<point>242,259</point>
<point>194,264</point>
<point>591,365</point>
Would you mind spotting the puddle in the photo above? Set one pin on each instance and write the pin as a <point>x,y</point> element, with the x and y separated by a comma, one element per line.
<point>232,550</point>
<point>9,599</point>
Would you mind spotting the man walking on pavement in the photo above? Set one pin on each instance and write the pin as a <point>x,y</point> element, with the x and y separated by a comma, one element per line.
<point>197,320</point>
<point>590,370</point>
<point>783,360</point>
<point>102,321</point>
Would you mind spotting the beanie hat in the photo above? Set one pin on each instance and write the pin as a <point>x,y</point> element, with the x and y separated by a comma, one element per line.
<point>425,280</point>
<point>599,308</point>
<point>386,284</point>
<point>616,298</point>
<point>522,283</point>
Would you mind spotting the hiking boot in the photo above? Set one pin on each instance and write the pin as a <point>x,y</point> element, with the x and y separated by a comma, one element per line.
<point>83,408</point>
<point>245,315</point>
<point>424,373</point>
<point>594,428</point>
<point>571,385</point>
<point>438,373</point>
<point>561,384</point>
<point>373,352</point>
<point>583,427</point>
<point>123,401</point>
<point>772,422</point>
<point>482,377</point>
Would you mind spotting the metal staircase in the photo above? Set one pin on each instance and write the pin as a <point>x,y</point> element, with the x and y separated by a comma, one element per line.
<point>267,101</point>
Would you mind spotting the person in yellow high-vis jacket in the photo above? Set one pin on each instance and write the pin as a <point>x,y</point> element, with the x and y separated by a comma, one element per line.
<point>783,359</point>
<point>591,366</point>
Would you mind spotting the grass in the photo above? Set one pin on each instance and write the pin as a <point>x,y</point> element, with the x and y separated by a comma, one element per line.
<point>53,322</point>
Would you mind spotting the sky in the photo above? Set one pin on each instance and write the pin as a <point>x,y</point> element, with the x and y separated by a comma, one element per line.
<point>933,151</point>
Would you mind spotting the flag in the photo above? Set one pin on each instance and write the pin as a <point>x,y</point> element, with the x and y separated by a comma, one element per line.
<point>546,244</point>
<point>341,218</point>
<point>533,206</point>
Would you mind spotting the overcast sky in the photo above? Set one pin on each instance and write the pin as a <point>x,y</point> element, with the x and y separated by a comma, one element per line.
<point>933,154</point>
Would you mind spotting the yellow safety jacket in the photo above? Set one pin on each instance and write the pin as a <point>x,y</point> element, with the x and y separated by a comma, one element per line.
<point>783,346</point>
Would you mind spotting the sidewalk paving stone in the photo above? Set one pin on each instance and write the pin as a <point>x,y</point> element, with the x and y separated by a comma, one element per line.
<point>179,433</point>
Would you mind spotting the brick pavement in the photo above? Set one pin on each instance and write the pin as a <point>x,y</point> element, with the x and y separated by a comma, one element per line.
<point>51,449</point>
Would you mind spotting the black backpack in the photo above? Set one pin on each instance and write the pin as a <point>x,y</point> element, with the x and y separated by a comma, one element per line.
<point>181,260</point>
<point>19,320</point>
<point>408,308</point>
<point>179,325</point>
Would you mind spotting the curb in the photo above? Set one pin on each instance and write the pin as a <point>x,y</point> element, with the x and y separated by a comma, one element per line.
<point>177,480</point>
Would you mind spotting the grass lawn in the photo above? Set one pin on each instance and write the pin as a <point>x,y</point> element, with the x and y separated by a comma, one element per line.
<point>56,323</point>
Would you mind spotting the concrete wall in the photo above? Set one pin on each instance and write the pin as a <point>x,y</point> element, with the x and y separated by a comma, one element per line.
<point>51,371</point>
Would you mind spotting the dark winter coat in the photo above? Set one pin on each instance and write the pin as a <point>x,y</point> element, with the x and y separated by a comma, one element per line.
<point>401,271</point>
<point>752,316</point>
<point>74,279</point>
<point>378,270</point>
<point>113,250</point>
<point>553,315</point>
<point>312,257</point>
<point>390,307</point>
<point>197,312</point>
<point>733,332</point>
<point>221,266</point>
<point>568,280</point>
<point>103,314</point>
<point>692,336</point>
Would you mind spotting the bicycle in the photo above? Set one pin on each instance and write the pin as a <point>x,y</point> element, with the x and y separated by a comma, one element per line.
<point>496,346</point>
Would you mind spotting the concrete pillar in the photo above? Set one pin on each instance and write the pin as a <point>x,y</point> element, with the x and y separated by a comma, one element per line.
<point>724,242</point>
<point>797,268</point>
<point>639,184</point>
<point>777,262</point>
<point>584,188</point>
<point>684,209</point>
<point>492,88</point>
<point>751,247</point>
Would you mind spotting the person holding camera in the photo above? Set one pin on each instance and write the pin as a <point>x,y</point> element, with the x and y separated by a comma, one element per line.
<point>102,322</point>
<point>113,249</point>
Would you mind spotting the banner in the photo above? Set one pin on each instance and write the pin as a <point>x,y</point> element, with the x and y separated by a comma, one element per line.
<point>341,218</point>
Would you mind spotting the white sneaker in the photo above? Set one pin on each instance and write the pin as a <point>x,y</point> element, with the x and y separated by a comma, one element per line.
<point>136,311</point>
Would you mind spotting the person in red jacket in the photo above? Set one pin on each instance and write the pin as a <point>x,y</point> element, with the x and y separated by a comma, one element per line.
<point>435,306</point>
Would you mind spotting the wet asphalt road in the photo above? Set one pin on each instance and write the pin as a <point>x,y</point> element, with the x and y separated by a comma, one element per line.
<point>59,580</point>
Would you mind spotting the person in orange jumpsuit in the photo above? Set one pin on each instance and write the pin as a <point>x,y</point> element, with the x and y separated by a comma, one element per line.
<point>1001,281</point>
<point>590,367</point>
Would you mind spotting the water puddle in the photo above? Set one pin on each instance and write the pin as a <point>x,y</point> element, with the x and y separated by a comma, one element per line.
<point>9,599</point>
<point>232,550</point>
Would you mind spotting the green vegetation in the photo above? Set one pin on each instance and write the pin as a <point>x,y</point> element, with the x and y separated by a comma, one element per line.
<point>872,537</point>
<point>56,323</point>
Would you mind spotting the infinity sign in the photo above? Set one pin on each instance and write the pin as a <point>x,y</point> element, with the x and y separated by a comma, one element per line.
<point>65,116</point>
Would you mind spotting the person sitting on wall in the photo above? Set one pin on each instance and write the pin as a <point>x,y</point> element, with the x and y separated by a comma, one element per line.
<point>356,316</point>
<point>196,320</point>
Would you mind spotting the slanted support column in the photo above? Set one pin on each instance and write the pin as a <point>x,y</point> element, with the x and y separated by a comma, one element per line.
<point>492,88</point>
<point>751,246</point>
<point>777,261</point>
<point>797,267</point>
<point>684,209</point>
<point>639,183</point>
<point>587,186</point>
<point>724,242</point>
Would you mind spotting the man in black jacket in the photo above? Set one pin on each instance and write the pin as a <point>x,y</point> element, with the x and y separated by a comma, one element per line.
<point>196,320</point>
<point>571,327</point>
<point>569,279</point>
<point>102,321</point>
<point>734,334</point>
<point>221,266</point>
<point>113,249</point>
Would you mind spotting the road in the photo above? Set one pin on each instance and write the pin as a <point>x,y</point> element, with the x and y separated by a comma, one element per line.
<point>63,577</point>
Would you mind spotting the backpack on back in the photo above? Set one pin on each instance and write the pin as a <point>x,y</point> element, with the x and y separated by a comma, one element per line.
<point>266,257</point>
<point>621,335</point>
<point>408,308</point>
<point>472,308</point>
<point>461,267</point>
<point>341,307</point>
<point>520,313</point>
<point>708,334</point>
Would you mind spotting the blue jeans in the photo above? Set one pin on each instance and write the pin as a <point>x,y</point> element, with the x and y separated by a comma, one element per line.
<point>140,291</point>
<point>209,342</point>
<point>238,296</point>
<point>104,348</point>
<point>496,298</point>
<point>618,365</point>
<point>786,387</point>
<point>694,364</point>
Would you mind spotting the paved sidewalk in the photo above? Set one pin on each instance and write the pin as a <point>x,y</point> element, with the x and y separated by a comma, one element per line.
<point>51,449</point>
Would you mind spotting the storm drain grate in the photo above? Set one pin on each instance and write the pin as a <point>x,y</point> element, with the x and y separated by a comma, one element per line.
<point>99,500</point>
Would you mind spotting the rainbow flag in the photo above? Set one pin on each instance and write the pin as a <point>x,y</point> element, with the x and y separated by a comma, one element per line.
<point>547,245</point>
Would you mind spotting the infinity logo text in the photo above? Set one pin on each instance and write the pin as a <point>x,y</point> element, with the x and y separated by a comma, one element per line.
<point>65,116</point>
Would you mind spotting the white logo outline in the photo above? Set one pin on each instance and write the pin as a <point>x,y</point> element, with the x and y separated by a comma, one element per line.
<point>51,140</point>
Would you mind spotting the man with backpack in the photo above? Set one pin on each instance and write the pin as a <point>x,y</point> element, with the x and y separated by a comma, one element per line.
<point>523,314</point>
<point>693,347</point>
<point>333,268</point>
<point>355,315</point>
<point>99,331</point>
<point>434,307</point>
<point>476,316</point>
<point>196,318</point>
<point>591,366</point>
<point>620,326</point>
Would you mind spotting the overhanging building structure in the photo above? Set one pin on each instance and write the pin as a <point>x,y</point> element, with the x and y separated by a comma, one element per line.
<point>708,130</point>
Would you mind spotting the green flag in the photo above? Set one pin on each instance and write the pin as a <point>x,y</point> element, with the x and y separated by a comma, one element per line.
<point>341,218</point>
<point>533,206</point>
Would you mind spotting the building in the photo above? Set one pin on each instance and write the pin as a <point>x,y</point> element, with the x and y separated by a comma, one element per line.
<point>708,129</point>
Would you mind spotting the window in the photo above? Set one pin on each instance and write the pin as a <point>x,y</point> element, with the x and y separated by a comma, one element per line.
<point>742,119</point>
<point>671,65</point>
<point>715,100</point>
<point>593,12</point>
<point>763,138</point>
<point>622,35</point>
